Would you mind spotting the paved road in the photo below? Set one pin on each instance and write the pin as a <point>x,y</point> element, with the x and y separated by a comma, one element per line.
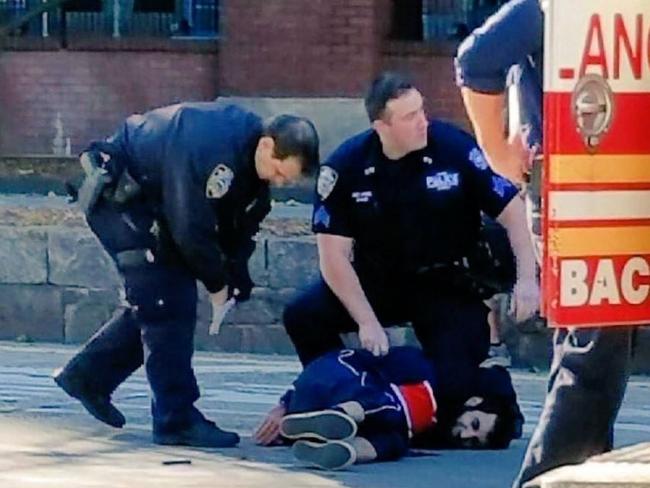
<point>47,439</point>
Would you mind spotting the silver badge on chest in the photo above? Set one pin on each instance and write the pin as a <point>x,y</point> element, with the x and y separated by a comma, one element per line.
<point>219,182</point>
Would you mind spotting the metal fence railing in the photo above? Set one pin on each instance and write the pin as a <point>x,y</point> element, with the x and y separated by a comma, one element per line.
<point>116,18</point>
<point>454,19</point>
<point>13,9</point>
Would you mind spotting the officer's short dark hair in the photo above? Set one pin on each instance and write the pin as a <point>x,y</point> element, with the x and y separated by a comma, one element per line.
<point>386,87</point>
<point>295,136</point>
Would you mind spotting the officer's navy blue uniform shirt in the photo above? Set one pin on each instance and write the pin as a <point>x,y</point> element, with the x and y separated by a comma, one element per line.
<point>173,152</point>
<point>508,45</point>
<point>410,214</point>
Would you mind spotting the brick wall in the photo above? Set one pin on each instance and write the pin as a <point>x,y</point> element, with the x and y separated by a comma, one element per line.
<point>279,48</point>
<point>327,48</point>
<point>432,68</point>
<point>300,48</point>
<point>92,92</point>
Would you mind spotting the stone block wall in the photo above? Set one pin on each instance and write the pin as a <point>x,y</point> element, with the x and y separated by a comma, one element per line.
<point>58,285</point>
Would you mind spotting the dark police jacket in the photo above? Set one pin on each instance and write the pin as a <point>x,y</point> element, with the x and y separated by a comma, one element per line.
<point>195,164</point>
<point>413,214</point>
<point>336,376</point>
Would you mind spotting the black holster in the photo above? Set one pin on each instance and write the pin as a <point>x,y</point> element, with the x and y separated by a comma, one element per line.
<point>96,179</point>
<point>106,177</point>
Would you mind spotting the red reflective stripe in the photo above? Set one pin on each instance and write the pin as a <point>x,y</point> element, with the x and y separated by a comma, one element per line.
<point>420,404</point>
<point>639,186</point>
<point>563,224</point>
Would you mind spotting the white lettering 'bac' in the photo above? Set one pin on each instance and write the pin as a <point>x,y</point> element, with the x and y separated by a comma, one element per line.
<point>607,287</point>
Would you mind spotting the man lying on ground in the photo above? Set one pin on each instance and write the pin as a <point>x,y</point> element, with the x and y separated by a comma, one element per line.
<point>349,406</point>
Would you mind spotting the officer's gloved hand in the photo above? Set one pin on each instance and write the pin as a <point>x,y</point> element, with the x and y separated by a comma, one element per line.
<point>239,279</point>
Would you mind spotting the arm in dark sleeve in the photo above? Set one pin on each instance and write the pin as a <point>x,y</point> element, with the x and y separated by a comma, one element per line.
<point>493,191</point>
<point>249,226</point>
<point>331,210</point>
<point>192,223</point>
<point>242,245</point>
<point>484,58</point>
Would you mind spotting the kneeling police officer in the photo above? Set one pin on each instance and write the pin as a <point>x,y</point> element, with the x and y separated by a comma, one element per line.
<point>177,195</point>
<point>397,218</point>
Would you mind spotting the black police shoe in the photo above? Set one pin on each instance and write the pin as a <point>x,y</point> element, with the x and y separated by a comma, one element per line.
<point>322,425</point>
<point>98,405</point>
<point>202,433</point>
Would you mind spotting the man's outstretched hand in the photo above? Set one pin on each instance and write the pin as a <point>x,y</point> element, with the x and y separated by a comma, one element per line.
<point>268,432</point>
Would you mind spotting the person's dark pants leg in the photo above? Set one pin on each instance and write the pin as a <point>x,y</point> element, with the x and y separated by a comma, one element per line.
<point>110,356</point>
<point>166,299</point>
<point>586,387</point>
<point>314,321</point>
<point>331,380</point>
<point>316,317</point>
<point>115,351</point>
<point>388,444</point>
<point>454,333</point>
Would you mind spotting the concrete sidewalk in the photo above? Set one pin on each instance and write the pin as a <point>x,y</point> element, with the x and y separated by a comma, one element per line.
<point>48,440</point>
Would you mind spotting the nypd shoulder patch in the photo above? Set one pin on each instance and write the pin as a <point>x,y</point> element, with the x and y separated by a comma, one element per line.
<point>219,182</point>
<point>500,185</point>
<point>477,157</point>
<point>327,178</point>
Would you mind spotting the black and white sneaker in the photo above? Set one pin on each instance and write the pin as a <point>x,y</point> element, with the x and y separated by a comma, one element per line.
<point>325,455</point>
<point>322,425</point>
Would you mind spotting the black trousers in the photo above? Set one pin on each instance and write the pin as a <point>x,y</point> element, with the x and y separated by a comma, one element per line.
<point>155,329</point>
<point>451,328</point>
<point>587,383</point>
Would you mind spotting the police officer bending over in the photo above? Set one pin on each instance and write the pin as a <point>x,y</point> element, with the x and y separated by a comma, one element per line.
<point>174,196</point>
<point>397,218</point>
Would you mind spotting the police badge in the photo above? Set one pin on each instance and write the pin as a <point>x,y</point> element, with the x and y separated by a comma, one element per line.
<point>219,181</point>
<point>326,181</point>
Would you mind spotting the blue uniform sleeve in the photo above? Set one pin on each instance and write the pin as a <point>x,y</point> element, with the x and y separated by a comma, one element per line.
<point>331,203</point>
<point>493,191</point>
<point>192,220</point>
<point>505,39</point>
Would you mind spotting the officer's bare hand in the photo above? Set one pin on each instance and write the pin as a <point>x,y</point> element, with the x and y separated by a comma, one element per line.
<point>268,431</point>
<point>516,158</point>
<point>525,299</point>
<point>373,338</point>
